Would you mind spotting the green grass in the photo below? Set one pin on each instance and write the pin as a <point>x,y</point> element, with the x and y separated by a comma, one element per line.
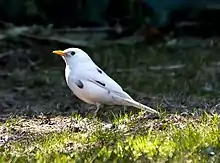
<point>127,138</point>
<point>117,134</point>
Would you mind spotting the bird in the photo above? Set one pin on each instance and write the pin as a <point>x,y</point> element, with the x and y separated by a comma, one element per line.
<point>91,84</point>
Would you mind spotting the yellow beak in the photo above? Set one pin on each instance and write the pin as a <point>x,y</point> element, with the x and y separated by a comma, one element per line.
<point>58,52</point>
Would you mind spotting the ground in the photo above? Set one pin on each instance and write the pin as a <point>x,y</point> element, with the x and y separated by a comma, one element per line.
<point>42,120</point>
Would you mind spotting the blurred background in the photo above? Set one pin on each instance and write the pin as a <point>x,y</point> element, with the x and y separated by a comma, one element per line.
<point>164,53</point>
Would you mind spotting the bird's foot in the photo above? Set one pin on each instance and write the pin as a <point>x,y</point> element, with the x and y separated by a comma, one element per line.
<point>94,110</point>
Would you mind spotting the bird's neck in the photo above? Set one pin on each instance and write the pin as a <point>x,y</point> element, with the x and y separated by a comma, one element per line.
<point>67,71</point>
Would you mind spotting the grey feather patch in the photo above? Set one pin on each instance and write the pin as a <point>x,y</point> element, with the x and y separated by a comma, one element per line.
<point>100,83</point>
<point>79,84</point>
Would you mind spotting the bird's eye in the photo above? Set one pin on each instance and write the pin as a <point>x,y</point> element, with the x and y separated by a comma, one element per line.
<point>72,53</point>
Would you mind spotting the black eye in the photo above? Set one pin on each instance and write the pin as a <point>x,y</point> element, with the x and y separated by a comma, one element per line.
<point>72,53</point>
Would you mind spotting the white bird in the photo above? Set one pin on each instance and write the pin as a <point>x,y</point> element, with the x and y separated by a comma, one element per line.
<point>91,84</point>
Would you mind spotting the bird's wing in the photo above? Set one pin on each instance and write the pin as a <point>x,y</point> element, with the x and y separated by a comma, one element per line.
<point>99,77</point>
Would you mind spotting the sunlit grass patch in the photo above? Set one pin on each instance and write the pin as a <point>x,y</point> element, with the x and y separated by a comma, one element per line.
<point>169,138</point>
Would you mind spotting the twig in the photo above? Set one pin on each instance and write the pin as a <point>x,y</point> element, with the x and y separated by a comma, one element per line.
<point>171,67</point>
<point>77,30</point>
<point>6,24</point>
<point>67,41</point>
<point>4,54</point>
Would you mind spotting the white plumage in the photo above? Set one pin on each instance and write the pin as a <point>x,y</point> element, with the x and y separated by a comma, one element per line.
<point>92,85</point>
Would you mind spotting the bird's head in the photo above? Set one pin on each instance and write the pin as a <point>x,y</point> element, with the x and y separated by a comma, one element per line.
<point>72,55</point>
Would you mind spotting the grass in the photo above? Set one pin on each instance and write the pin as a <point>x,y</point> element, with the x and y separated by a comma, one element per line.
<point>41,121</point>
<point>127,138</point>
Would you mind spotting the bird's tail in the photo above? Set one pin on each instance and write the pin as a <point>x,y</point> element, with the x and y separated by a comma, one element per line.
<point>136,104</point>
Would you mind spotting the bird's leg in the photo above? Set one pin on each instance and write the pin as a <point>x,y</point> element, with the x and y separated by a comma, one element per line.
<point>98,105</point>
